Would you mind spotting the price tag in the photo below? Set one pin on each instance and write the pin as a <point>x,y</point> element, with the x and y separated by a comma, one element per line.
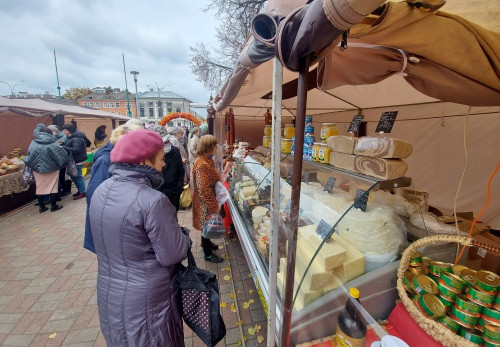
<point>361,199</point>
<point>330,184</point>
<point>481,252</point>
<point>356,121</point>
<point>386,122</point>
<point>323,230</point>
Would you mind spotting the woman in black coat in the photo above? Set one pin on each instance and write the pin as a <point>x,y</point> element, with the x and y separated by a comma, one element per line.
<point>173,173</point>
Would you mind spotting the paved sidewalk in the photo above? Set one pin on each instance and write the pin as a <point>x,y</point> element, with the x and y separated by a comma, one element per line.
<point>48,282</point>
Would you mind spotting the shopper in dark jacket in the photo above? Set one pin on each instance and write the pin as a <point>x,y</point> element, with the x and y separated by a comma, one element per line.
<point>138,243</point>
<point>100,173</point>
<point>76,146</point>
<point>45,157</point>
<point>173,173</point>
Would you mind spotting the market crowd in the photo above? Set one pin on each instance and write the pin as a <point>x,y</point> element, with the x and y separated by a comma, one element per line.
<point>139,180</point>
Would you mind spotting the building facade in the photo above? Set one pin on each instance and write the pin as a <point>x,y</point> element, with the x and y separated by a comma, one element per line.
<point>154,105</point>
<point>110,100</point>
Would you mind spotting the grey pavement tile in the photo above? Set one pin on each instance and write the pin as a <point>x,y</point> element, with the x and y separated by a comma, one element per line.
<point>188,342</point>
<point>69,313</point>
<point>89,276</point>
<point>18,340</point>
<point>84,335</point>
<point>63,260</point>
<point>93,299</point>
<point>85,284</point>
<point>6,328</point>
<point>57,296</point>
<point>42,306</point>
<point>42,281</point>
<point>27,275</point>
<point>233,335</point>
<point>73,271</point>
<point>6,299</point>
<point>3,283</point>
<point>85,263</point>
<point>36,268</point>
<point>35,290</point>
<point>258,315</point>
<point>55,326</point>
<point>10,317</point>
<point>225,288</point>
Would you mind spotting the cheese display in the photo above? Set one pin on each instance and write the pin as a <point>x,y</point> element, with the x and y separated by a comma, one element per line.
<point>383,147</point>
<point>379,230</point>
<point>330,256</point>
<point>353,265</point>
<point>248,191</point>
<point>399,204</point>
<point>258,213</point>
<point>381,168</point>
<point>342,160</point>
<point>342,144</point>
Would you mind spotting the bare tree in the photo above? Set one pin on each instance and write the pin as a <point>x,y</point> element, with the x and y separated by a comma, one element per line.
<point>235,16</point>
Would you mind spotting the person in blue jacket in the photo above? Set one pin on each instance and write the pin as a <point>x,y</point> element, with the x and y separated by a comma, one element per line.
<point>100,173</point>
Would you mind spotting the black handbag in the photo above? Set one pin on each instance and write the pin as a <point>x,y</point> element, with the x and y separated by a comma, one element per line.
<point>200,302</point>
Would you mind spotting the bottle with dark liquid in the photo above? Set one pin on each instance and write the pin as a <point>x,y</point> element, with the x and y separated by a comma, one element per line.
<point>351,330</point>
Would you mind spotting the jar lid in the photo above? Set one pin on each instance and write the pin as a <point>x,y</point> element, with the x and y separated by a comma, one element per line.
<point>266,137</point>
<point>288,125</point>
<point>317,143</point>
<point>329,124</point>
<point>267,126</point>
<point>286,139</point>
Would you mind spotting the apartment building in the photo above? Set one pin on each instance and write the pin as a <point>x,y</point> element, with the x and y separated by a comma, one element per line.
<point>110,100</point>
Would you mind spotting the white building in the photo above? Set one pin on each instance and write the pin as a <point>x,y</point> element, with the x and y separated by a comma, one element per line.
<point>154,105</point>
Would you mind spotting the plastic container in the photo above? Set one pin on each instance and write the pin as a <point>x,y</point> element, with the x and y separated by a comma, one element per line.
<point>289,131</point>
<point>286,146</point>
<point>374,261</point>
<point>266,141</point>
<point>309,120</point>
<point>308,141</point>
<point>268,130</point>
<point>327,130</point>
<point>324,154</point>
<point>315,151</point>
<point>308,130</point>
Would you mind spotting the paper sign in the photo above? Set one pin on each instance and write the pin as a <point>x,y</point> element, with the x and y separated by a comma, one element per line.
<point>356,121</point>
<point>323,229</point>
<point>361,199</point>
<point>330,184</point>
<point>386,122</point>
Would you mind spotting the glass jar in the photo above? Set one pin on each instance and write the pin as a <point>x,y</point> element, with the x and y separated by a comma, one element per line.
<point>315,151</point>
<point>327,130</point>
<point>324,154</point>
<point>289,131</point>
<point>286,146</point>
<point>268,130</point>
<point>266,141</point>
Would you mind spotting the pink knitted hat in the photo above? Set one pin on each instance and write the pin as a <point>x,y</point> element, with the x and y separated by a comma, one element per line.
<point>136,146</point>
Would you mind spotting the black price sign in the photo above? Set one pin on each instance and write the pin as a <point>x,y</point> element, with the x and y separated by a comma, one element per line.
<point>323,230</point>
<point>356,121</point>
<point>386,122</point>
<point>361,199</point>
<point>330,184</point>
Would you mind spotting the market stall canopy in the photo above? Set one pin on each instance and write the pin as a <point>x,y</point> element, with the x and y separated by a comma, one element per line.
<point>38,108</point>
<point>400,54</point>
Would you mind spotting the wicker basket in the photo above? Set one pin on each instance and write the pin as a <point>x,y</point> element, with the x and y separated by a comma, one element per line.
<point>435,329</point>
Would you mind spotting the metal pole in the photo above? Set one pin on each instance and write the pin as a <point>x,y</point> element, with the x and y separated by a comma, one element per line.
<point>135,73</point>
<point>275,194</point>
<point>129,113</point>
<point>57,76</point>
<point>295,199</point>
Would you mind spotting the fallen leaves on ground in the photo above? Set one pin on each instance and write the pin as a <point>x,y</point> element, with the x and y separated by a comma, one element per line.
<point>260,338</point>
<point>52,336</point>
<point>223,304</point>
<point>251,331</point>
<point>231,296</point>
<point>227,278</point>
<point>233,308</point>
<point>257,328</point>
<point>251,291</point>
<point>36,230</point>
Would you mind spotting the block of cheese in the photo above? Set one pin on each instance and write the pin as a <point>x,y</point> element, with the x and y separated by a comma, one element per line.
<point>316,277</point>
<point>304,298</point>
<point>383,147</point>
<point>342,160</point>
<point>258,213</point>
<point>342,144</point>
<point>353,265</point>
<point>248,191</point>
<point>330,255</point>
<point>386,169</point>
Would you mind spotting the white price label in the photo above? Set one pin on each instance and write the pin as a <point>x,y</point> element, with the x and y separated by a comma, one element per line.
<point>481,252</point>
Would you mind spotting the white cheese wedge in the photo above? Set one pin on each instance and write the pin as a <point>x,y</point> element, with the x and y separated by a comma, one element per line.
<point>258,214</point>
<point>330,256</point>
<point>353,265</point>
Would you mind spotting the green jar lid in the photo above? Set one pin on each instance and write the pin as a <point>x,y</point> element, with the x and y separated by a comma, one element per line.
<point>424,284</point>
<point>432,305</point>
<point>472,335</point>
<point>488,282</point>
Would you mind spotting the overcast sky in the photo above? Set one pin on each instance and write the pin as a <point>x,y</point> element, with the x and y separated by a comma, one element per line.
<point>89,38</point>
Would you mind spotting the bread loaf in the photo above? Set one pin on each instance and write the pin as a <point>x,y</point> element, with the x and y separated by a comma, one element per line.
<point>386,169</point>
<point>382,147</point>
<point>342,160</point>
<point>342,144</point>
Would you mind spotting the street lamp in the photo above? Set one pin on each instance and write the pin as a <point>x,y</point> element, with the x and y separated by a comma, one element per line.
<point>135,73</point>
<point>160,109</point>
<point>12,87</point>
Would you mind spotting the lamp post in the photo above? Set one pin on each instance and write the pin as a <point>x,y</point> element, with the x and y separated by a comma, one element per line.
<point>129,113</point>
<point>12,87</point>
<point>160,109</point>
<point>135,73</point>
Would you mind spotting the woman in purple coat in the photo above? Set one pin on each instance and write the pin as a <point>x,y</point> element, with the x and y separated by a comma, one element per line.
<point>138,242</point>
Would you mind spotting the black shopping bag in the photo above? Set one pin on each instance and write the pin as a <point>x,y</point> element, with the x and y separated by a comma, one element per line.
<point>200,302</point>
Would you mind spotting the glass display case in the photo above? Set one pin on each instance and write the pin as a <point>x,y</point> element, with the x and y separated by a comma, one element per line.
<point>351,229</point>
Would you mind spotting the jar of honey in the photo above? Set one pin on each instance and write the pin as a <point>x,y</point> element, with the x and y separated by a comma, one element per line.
<point>327,130</point>
<point>324,154</point>
<point>286,146</point>
<point>266,141</point>
<point>315,151</point>
<point>268,130</point>
<point>289,131</point>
